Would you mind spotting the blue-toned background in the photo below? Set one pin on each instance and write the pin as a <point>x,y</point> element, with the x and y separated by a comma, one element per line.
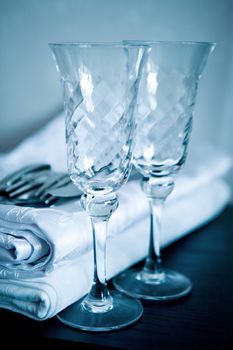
<point>30,91</point>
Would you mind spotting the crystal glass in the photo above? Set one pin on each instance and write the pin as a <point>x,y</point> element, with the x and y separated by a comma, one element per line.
<point>166,99</point>
<point>99,84</point>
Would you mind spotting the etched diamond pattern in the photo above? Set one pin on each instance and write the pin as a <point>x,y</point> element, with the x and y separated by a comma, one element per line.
<point>163,131</point>
<point>98,138</point>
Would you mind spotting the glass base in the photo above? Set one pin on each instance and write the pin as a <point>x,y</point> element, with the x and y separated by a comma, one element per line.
<point>125,311</point>
<point>162,286</point>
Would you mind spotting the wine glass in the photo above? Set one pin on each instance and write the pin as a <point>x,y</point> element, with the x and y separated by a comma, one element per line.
<point>166,99</point>
<point>99,84</point>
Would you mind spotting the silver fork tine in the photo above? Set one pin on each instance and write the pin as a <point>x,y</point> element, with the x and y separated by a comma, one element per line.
<point>27,169</point>
<point>38,174</point>
<point>33,185</point>
<point>8,179</point>
<point>16,175</point>
<point>53,181</point>
<point>26,182</point>
<point>50,199</point>
<point>25,188</point>
<point>64,180</point>
<point>15,185</point>
<point>48,183</point>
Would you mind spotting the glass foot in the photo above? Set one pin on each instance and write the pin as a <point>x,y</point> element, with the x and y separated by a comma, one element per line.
<point>166,285</point>
<point>125,311</point>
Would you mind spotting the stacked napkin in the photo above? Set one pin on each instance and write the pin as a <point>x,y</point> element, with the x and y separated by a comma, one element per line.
<point>46,256</point>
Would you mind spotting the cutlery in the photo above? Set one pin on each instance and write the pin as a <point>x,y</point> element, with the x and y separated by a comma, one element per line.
<point>17,175</point>
<point>39,185</point>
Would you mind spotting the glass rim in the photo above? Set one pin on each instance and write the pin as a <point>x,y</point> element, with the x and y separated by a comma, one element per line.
<point>89,44</point>
<point>151,42</point>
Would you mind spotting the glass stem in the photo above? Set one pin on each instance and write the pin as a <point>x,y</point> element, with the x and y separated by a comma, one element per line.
<point>157,190</point>
<point>153,259</point>
<point>99,209</point>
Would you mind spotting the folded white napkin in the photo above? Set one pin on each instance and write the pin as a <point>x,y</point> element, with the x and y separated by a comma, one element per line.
<point>43,297</point>
<point>35,241</point>
<point>42,147</point>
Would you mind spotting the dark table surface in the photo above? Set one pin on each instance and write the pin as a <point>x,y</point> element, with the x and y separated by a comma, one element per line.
<point>204,319</point>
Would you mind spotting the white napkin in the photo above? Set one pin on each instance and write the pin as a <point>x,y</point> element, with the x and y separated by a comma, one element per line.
<point>35,241</point>
<point>43,297</point>
<point>42,147</point>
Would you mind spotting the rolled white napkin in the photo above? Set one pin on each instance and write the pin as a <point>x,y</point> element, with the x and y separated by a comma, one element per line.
<point>34,241</point>
<point>43,297</point>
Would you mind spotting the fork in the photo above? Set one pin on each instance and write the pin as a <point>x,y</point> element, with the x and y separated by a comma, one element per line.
<point>15,176</point>
<point>26,183</point>
<point>31,183</point>
<point>55,181</point>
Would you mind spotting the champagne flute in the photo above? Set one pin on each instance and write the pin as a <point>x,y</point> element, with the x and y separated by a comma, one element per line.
<point>166,100</point>
<point>99,84</point>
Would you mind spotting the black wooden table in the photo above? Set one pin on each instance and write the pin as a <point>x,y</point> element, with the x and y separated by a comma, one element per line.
<point>204,319</point>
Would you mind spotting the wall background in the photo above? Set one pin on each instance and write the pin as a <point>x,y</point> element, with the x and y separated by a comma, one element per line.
<point>30,89</point>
